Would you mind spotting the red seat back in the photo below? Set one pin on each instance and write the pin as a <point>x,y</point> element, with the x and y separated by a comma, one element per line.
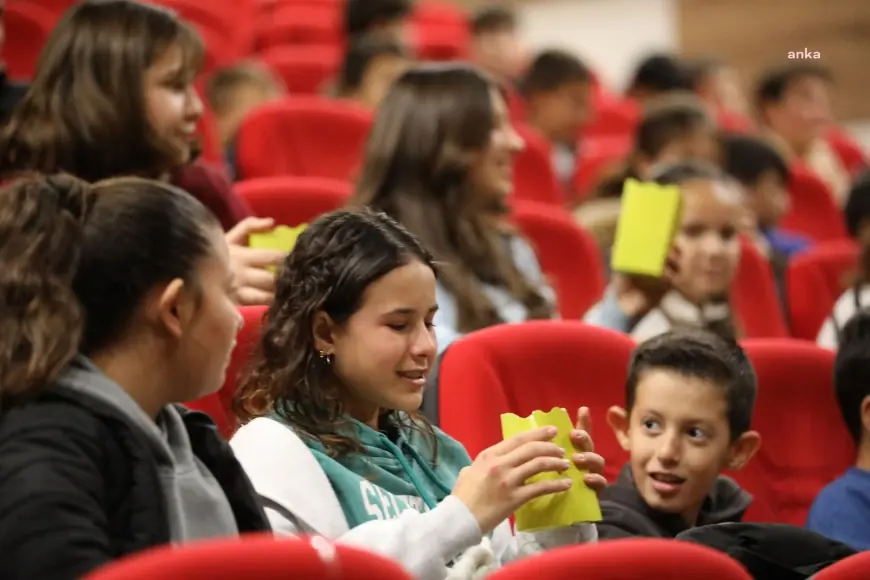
<point>292,201</point>
<point>629,559</point>
<point>259,556</point>
<point>520,368</point>
<point>534,178</point>
<point>568,255</point>
<point>805,444</point>
<point>304,69</point>
<point>813,211</point>
<point>815,279</point>
<point>755,297</point>
<point>302,23</point>
<point>27,26</point>
<point>304,136</point>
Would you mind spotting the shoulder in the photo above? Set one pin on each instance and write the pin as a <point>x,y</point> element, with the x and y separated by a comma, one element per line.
<point>49,415</point>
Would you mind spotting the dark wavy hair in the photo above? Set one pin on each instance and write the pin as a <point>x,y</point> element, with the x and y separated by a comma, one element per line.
<point>78,259</point>
<point>332,264</point>
<point>84,112</point>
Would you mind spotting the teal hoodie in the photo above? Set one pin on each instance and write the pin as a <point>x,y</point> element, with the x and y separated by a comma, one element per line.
<point>393,475</point>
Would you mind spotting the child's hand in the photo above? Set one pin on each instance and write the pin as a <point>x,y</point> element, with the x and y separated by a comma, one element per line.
<point>637,295</point>
<point>581,438</point>
<point>254,283</point>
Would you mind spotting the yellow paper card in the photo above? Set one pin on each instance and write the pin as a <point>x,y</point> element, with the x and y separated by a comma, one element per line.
<point>282,238</point>
<point>648,221</point>
<point>575,506</point>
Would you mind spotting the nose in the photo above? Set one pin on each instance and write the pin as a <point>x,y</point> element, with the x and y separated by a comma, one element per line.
<point>669,451</point>
<point>424,346</point>
<point>515,141</point>
<point>194,106</point>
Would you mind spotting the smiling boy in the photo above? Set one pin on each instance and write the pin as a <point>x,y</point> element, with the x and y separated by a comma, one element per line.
<point>689,400</point>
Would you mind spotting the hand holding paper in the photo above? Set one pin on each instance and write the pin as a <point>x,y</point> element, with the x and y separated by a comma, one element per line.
<point>648,222</point>
<point>579,503</point>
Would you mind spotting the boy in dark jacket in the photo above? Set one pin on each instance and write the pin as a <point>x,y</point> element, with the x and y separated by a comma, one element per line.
<point>689,400</point>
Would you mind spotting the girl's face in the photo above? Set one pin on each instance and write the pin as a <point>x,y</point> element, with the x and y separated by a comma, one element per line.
<point>386,349</point>
<point>491,175</point>
<point>707,241</point>
<point>172,103</point>
<point>210,323</point>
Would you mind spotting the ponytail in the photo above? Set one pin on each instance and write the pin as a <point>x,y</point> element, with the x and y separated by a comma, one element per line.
<point>41,238</point>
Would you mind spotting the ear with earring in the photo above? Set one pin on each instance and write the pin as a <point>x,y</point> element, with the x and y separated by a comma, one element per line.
<point>325,357</point>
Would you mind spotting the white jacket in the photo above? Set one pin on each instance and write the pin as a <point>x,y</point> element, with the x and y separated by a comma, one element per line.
<point>299,499</point>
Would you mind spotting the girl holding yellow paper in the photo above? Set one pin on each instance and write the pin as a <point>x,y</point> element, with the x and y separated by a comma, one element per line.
<point>694,293</point>
<point>334,443</point>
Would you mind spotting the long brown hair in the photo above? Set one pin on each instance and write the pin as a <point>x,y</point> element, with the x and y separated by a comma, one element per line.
<point>77,262</point>
<point>428,128</point>
<point>332,264</point>
<point>84,113</point>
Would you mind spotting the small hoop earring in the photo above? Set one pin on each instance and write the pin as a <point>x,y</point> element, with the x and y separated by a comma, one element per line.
<point>326,357</point>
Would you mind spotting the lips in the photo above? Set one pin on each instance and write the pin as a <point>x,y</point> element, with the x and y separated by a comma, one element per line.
<point>417,377</point>
<point>666,483</point>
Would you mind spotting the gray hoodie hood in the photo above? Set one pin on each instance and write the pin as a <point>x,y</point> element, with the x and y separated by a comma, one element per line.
<point>196,504</point>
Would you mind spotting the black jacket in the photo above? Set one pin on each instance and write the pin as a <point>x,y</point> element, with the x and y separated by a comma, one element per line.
<point>625,514</point>
<point>79,486</point>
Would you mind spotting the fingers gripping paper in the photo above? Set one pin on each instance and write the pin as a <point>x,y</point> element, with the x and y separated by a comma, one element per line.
<point>575,506</point>
<point>648,221</point>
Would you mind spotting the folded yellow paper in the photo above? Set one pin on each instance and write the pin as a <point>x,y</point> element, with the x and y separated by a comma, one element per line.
<point>282,238</point>
<point>577,505</point>
<point>648,221</point>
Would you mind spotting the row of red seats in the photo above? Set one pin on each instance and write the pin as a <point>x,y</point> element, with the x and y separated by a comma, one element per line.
<point>814,279</point>
<point>521,368</point>
<point>310,136</point>
<point>233,30</point>
<point>266,558</point>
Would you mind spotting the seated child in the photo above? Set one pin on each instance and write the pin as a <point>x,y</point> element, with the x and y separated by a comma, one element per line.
<point>688,404</point>
<point>794,109</point>
<point>673,129</point>
<point>716,83</point>
<point>857,212</point>
<point>557,89</point>
<point>370,66</point>
<point>763,173</point>
<point>658,75</point>
<point>841,511</point>
<point>706,253</point>
<point>233,92</point>
<point>496,46</point>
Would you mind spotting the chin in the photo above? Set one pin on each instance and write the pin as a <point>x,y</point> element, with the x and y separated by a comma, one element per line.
<point>408,404</point>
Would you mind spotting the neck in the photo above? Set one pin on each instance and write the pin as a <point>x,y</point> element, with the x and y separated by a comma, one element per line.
<point>863,461</point>
<point>137,374</point>
<point>363,412</point>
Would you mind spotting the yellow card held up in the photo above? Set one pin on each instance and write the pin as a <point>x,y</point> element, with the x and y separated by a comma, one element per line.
<point>577,505</point>
<point>282,238</point>
<point>648,221</point>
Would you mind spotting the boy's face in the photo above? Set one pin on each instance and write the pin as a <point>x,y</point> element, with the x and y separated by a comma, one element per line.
<point>500,53</point>
<point>560,113</point>
<point>768,199</point>
<point>678,436</point>
<point>722,89</point>
<point>804,112</point>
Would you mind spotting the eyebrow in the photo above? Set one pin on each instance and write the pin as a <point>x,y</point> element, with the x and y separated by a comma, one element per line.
<point>406,311</point>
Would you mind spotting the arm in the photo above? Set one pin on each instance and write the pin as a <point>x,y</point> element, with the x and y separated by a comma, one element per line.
<point>51,497</point>
<point>608,314</point>
<point>299,499</point>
